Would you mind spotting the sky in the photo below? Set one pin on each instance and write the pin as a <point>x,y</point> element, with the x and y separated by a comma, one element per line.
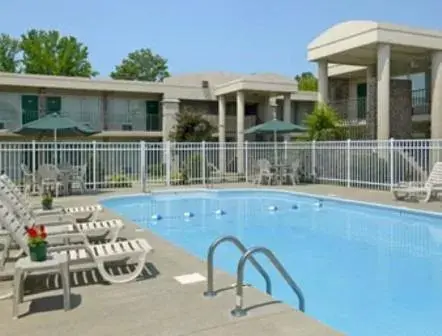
<point>241,36</point>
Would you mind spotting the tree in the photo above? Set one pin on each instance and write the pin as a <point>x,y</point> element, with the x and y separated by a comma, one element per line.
<point>49,53</point>
<point>191,127</point>
<point>307,82</point>
<point>324,124</point>
<point>9,50</point>
<point>142,65</point>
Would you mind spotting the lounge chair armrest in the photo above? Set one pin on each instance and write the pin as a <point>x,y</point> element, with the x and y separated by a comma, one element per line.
<point>66,236</point>
<point>61,220</point>
<point>66,248</point>
<point>4,233</point>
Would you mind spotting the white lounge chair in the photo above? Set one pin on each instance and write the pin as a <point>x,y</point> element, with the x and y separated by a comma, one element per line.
<point>433,186</point>
<point>92,210</point>
<point>110,228</point>
<point>265,172</point>
<point>130,251</point>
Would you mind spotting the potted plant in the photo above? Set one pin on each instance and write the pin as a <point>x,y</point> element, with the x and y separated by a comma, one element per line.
<point>46,201</point>
<point>37,242</point>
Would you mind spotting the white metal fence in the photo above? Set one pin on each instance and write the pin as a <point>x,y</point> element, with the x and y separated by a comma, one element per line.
<point>363,164</point>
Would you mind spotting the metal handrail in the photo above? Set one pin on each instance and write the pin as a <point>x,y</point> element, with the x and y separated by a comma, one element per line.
<point>239,310</point>
<point>243,249</point>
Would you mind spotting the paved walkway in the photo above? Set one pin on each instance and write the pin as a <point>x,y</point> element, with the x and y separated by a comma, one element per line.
<point>157,304</point>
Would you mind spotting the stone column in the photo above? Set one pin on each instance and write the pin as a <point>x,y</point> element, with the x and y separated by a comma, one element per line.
<point>287,111</point>
<point>383,92</point>
<point>436,95</point>
<point>371,102</point>
<point>323,82</point>
<point>352,103</point>
<point>222,132</point>
<point>170,110</point>
<point>240,114</point>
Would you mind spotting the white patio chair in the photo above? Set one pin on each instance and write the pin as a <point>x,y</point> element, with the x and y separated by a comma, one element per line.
<point>28,178</point>
<point>130,251</point>
<point>431,187</point>
<point>79,177</point>
<point>293,172</point>
<point>265,172</point>
<point>48,176</point>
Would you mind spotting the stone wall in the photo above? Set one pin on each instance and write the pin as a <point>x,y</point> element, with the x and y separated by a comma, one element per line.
<point>339,92</point>
<point>400,109</point>
<point>371,115</point>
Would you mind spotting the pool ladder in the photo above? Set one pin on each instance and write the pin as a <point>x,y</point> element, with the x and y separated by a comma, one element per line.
<point>247,254</point>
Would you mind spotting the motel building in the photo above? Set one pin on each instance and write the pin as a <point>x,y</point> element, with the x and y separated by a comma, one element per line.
<point>382,77</point>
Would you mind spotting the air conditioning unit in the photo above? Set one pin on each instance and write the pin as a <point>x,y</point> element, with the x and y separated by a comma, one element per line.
<point>205,84</point>
<point>126,127</point>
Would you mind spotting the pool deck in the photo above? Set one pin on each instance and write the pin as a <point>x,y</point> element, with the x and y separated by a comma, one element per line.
<point>157,304</point>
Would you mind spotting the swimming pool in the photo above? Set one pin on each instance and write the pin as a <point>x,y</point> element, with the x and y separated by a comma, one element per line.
<point>364,270</point>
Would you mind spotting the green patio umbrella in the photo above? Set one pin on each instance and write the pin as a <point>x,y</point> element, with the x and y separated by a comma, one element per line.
<point>54,125</point>
<point>275,126</point>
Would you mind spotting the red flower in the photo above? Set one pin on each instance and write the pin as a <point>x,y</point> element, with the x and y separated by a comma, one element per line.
<point>32,232</point>
<point>43,235</point>
<point>42,229</point>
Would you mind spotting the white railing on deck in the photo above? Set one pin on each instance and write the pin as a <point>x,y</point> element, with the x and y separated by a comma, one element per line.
<point>363,164</point>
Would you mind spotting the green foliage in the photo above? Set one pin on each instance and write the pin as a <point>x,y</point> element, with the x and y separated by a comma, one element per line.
<point>157,170</point>
<point>119,181</point>
<point>9,50</point>
<point>178,178</point>
<point>324,124</point>
<point>307,82</point>
<point>47,200</point>
<point>191,127</point>
<point>49,53</point>
<point>142,65</point>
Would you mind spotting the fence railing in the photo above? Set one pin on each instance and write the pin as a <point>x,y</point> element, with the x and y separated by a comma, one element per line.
<point>363,164</point>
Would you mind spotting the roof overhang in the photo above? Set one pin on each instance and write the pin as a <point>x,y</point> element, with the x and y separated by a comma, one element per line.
<point>355,43</point>
<point>275,86</point>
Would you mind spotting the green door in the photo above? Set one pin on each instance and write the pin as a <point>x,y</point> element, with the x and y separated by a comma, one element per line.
<point>29,108</point>
<point>153,116</point>
<point>362,100</point>
<point>53,104</point>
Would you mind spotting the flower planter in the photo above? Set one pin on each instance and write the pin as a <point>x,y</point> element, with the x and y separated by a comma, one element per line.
<point>46,206</point>
<point>38,252</point>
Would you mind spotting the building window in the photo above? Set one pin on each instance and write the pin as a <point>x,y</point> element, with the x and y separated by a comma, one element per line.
<point>153,115</point>
<point>126,127</point>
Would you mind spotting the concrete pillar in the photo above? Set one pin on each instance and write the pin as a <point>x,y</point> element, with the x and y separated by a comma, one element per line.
<point>436,95</point>
<point>287,111</point>
<point>222,132</point>
<point>323,82</point>
<point>240,115</point>
<point>383,92</point>
<point>370,77</point>
<point>170,110</point>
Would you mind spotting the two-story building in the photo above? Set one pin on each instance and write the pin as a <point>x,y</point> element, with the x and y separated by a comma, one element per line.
<point>147,111</point>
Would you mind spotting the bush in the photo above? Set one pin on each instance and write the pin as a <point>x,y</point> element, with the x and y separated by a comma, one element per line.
<point>157,170</point>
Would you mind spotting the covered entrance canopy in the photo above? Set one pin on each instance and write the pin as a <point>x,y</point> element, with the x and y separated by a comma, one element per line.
<point>376,52</point>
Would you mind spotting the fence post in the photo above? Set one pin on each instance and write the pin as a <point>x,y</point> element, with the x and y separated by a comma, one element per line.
<point>203,162</point>
<point>33,166</point>
<point>94,164</point>
<point>246,157</point>
<point>348,163</point>
<point>285,151</point>
<point>314,158</point>
<point>168,162</point>
<point>143,166</point>
<point>391,142</point>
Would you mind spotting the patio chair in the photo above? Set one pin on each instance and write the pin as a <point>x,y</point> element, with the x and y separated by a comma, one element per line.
<point>48,177</point>
<point>92,211</point>
<point>28,178</point>
<point>265,172</point>
<point>293,172</point>
<point>431,187</point>
<point>132,251</point>
<point>213,173</point>
<point>79,177</point>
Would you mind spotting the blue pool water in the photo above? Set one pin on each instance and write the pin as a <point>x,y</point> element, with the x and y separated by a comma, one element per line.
<point>364,270</point>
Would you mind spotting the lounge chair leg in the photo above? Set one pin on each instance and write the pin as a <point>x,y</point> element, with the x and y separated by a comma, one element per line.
<point>123,278</point>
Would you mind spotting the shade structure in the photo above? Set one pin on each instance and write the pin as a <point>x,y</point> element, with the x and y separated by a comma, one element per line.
<point>54,125</point>
<point>275,126</point>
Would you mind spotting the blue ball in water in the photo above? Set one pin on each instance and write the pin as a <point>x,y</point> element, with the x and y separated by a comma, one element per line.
<point>156,217</point>
<point>188,214</point>
<point>295,206</point>
<point>273,208</point>
<point>219,212</point>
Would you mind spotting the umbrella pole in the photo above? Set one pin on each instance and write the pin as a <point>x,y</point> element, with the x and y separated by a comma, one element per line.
<point>55,147</point>
<point>275,140</point>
